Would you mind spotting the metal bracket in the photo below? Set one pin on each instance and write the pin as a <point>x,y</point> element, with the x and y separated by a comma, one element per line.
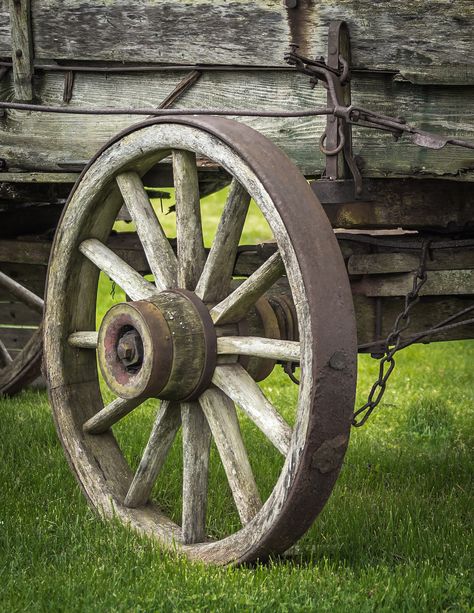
<point>338,132</point>
<point>336,141</point>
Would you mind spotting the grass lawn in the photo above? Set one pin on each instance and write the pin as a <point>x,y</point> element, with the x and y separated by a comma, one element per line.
<point>396,535</point>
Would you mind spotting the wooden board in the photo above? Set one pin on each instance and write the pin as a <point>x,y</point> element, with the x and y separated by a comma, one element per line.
<point>430,311</point>
<point>386,35</point>
<point>15,338</point>
<point>34,141</point>
<point>17,313</point>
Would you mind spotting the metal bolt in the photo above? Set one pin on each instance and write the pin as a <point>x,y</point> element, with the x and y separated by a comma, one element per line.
<point>291,4</point>
<point>19,53</point>
<point>338,361</point>
<point>130,349</point>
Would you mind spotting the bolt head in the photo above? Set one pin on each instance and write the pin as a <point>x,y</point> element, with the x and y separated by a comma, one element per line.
<point>130,349</point>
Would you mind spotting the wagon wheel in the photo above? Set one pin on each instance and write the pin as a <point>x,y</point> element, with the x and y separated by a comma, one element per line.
<point>19,367</point>
<point>163,343</point>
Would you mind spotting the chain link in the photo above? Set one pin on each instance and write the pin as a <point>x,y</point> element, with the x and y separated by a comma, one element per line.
<point>393,341</point>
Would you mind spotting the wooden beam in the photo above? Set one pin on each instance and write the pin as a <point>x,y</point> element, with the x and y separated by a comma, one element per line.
<point>22,49</point>
<point>251,32</point>
<point>439,283</point>
<point>382,263</point>
<point>427,313</point>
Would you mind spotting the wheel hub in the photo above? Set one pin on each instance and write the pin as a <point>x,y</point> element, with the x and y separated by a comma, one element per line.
<point>164,347</point>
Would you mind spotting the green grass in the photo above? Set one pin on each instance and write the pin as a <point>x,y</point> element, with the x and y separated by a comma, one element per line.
<point>396,534</point>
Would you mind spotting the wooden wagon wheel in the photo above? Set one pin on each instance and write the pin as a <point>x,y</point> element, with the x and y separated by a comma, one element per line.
<point>163,343</point>
<point>19,367</point>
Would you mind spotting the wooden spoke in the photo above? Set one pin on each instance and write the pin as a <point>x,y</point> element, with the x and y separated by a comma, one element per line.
<point>236,383</point>
<point>196,448</point>
<point>286,351</point>
<point>133,284</point>
<point>222,418</point>
<point>191,253</point>
<point>5,357</point>
<point>234,307</point>
<point>84,340</point>
<point>164,430</point>
<point>158,251</point>
<point>214,282</point>
<point>22,293</point>
<point>110,415</point>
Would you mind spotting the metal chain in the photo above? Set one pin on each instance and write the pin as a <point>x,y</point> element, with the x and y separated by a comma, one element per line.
<point>393,341</point>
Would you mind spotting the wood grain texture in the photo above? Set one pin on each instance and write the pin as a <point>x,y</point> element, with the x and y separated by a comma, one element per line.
<point>222,418</point>
<point>62,141</point>
<point>22,49</point>
<point>158,250</point>
<point>21,293</point>
<point>196,449</point>
<point>17,313</point>
<point>133,284</point>
<point>5,357</point>
<point>439,283</point>
<point>288,351</point>
<point>162,436</point>
<point>428,313</point>
<point>84,340</point>
<point>236,383</point>
<point>214,283</point>
<point>378,263</point>
<point>384,35</point>
<point>191,254</point>
<point>236,305</point>
<point>110,415</point>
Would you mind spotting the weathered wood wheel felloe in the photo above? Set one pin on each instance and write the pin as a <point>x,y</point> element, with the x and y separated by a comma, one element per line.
<point>178,339</point>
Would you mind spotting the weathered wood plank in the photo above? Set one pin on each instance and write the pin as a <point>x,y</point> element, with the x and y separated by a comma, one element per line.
<point>384,35</point>
<point>64,141</point>
<point>22,49</point>
<point>25,252</point>
<point>439,283</point>
<point>15,338</point>
<point>17,313</point>
<point>378,263</point>
<point>38,177</point>
<point>395,203</point>
<point>429,312</point>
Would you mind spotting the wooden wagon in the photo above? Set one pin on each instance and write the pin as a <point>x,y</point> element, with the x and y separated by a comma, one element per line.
<point>350,125</point>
